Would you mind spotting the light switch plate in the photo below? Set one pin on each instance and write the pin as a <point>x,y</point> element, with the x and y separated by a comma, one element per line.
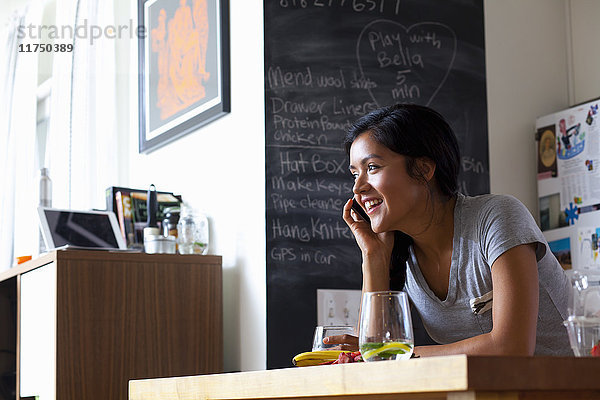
<point>338,307</point>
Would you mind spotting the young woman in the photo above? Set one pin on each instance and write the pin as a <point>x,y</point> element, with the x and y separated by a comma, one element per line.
<point>477,269</point>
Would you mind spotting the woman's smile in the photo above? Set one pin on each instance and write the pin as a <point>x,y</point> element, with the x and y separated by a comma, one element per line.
<point>370,205</point>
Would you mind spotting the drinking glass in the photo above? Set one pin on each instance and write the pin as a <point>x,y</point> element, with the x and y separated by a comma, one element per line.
<point>322,332</point>
<point>192,232</point>
<point>385,331</point>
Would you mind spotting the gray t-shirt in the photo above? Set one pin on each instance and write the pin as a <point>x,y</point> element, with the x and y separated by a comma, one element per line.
<point>484,228</point>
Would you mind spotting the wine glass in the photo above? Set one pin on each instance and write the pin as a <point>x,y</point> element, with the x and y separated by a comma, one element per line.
<point>322,332</point>
<point>385,331</point>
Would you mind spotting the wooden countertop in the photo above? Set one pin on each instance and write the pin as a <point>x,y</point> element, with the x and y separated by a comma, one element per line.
<point>456,377</point>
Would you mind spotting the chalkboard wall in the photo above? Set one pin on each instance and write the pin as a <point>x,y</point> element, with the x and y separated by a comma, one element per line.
<point>328,62</point>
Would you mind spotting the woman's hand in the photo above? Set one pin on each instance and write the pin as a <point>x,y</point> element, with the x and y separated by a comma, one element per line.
<point>343,342</point>
<point>368,241</point>
<point>376,250</point>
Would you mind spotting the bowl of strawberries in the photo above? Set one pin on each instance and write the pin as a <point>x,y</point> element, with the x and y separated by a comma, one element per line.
<point>584,335</point>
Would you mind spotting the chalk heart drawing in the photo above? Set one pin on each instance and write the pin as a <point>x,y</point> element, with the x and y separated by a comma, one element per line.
<point>406,65</point>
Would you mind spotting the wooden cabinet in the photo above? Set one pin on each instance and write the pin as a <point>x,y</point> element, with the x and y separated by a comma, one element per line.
<point>87,322</point>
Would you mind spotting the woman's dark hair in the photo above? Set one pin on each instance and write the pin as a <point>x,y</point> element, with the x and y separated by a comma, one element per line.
<point>413,131</point>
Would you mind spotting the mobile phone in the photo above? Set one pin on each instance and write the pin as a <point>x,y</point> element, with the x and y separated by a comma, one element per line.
<point>359,210</point>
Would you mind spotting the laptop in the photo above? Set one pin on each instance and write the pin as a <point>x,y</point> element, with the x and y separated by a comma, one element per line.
<point>94,230</point>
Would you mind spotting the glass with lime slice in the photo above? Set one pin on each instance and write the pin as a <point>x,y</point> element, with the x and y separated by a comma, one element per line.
<point>385,326</point>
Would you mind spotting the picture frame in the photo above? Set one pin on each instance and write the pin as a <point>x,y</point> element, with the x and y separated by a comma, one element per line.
<point>183,64</point>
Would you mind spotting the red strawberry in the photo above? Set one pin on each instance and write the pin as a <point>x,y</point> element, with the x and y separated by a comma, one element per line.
<point>596,350</point>
<point>344,358</point>
<point>328,362</point>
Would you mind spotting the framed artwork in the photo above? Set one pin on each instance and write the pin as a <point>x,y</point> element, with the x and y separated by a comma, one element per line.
<point>183,52</point>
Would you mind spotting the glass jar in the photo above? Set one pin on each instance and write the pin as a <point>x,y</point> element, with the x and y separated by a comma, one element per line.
<point>192,232</point>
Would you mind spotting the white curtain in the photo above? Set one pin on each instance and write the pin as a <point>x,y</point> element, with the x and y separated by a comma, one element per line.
<point>83,132</point>
<point>81,147</point>
<point>18,174</point>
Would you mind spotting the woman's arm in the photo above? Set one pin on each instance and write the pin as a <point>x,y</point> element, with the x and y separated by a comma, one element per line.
<point>514,309</point>
<point>376,251</point>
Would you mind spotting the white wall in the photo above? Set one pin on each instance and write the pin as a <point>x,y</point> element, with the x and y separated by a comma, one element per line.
<point>536,65</point>
<point>219,169</point>
<point>526,77</point>
<point>585,34</point>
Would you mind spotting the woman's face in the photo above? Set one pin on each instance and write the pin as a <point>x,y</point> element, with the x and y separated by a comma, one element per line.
<point>392,199</point>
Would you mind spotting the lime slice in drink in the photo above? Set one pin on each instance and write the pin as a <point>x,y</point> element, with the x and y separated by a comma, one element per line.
<point>390,348</point>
